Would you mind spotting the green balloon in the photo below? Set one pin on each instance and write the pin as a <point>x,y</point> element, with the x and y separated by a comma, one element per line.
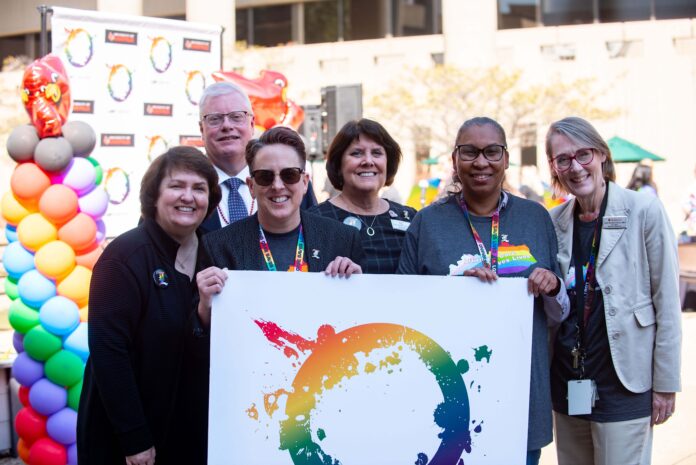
<point>64,368</point>
<point>98,169</point>
<point>11,288</point>
<point>74,396</point>
<point>40,344</point>
<point>22,317</point>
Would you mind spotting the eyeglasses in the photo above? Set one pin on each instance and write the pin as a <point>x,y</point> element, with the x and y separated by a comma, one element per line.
<point>266,177</point>
<point>216,119</point>
<point>582,156</point>
<point>492,152</point>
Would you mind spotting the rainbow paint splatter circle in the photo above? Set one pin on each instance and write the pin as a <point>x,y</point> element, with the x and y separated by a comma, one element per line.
<point>157,145</point>
<point>160,54</point>
<point>120,83</point>
<point>333,359</point>
<point>195,83</point>
<point>79,47</point>
<point>117,185</point>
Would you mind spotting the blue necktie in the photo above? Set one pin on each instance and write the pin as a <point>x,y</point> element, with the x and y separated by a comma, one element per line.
<point>235,203</point>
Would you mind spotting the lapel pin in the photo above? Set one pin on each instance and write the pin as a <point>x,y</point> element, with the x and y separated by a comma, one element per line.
<point>315,253</point>
<point>160,278</point>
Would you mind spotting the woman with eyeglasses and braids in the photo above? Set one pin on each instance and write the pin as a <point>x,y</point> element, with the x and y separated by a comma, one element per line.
<point>621,343</point>
<point>362,159</point>
<point>482,231</point>
<point>279,237</point>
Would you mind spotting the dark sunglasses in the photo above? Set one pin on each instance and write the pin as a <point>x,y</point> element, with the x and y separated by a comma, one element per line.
<point>287,175</point>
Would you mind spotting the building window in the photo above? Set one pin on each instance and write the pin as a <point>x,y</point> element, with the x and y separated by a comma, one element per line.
<point>416,17</point>
<point>360,26</point>
<point>321,21</point>
<point>560,12</point>
<point>671,9</point>
<point>266,26</point>
<point>611,11</point>
<point>515,14</point>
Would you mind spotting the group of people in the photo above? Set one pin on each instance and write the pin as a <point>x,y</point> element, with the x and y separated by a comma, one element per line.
<point>602,268</point>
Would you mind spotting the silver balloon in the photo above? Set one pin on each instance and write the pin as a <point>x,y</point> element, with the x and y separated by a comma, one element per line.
<point>22,142</point>
<point>81,136</point>
<point>53,153</point>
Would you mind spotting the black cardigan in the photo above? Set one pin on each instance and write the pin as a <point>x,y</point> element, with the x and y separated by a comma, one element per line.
<point>236,247</point>
<point>141,380</point>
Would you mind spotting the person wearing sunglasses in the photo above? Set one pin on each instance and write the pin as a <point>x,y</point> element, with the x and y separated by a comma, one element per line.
<point>280,236</point>
<point>480,230</point>
<point>622,339</point>
<point>362,159</point>
<point>226,125</point>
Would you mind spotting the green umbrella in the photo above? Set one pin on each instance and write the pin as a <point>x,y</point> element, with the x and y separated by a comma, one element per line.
<point>623,151</point>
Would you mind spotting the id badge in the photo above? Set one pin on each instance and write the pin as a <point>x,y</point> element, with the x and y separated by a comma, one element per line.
<point>581,396</point>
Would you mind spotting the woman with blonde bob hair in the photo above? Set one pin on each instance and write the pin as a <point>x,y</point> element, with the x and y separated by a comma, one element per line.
<point>616,364</point>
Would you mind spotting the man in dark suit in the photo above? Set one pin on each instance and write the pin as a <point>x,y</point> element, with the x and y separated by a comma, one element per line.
<point>227,124</point>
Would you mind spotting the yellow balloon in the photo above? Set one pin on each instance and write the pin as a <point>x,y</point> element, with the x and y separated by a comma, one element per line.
<point>75,286</point>
<point>12,210</point>
<point>84,313</point>
<point>55,260</point>
<point>35,230</point>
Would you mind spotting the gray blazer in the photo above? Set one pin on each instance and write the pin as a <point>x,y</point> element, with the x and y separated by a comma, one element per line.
<point>638,272</point>
<point>236,246</point>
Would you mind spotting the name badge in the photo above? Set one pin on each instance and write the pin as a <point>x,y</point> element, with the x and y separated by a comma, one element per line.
<point>614,222</point>
<point>582,394</point>
<point>400,225</point>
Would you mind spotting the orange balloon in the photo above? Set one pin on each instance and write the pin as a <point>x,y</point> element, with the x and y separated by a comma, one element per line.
<point>23,450</point>
<point>58,203</point>
<point>88,259</point>
<point>34,231</point>
<point>28,182</point>
<point>84,313</point>
<point>55,260</point>
<point>80,232</point>
<point>75,286</point>
<point>12,209</point>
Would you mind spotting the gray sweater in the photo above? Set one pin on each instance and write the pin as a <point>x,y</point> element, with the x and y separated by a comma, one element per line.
<point>439,242</point>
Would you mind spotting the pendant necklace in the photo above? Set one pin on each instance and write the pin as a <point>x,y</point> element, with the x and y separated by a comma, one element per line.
<point>370,230</point>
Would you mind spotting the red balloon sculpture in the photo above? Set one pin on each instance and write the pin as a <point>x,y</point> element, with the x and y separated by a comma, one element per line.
<point>268,98</point>
<point>46,95</point>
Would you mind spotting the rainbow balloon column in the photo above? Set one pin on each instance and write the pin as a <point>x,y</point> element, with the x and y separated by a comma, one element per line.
<point>54,231</point>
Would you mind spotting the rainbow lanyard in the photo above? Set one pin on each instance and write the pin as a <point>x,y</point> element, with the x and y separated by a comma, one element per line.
<point>268,257</point>
<point>589,287</point>
<point>495,236</point>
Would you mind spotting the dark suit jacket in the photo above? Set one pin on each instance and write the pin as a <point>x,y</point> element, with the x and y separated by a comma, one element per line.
<point>236,246</point>
<point>212,223</point>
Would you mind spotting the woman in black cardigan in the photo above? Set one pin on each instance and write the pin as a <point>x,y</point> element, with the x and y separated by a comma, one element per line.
<point>279,237</point>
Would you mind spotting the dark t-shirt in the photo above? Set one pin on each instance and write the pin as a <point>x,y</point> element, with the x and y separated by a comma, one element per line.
<point>283,247</point>
<point>615,402</point>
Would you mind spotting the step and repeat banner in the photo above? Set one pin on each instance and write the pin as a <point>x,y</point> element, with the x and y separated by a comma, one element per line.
<point>137,82</point>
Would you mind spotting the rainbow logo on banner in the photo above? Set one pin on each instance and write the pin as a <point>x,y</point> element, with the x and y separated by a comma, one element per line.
<point>79,47</point>
<point>335,357</point>
<point>117,185</point>
<point>157,145</point>
<point>511,259</point>
<point>120,83</point>
<point>195,84</point>
<point>160,54</point>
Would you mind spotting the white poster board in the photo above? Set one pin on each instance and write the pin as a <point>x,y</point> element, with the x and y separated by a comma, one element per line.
<point>306,369</point>
<point>136,80</point>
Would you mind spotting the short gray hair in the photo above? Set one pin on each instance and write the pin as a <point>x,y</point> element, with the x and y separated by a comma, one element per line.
<point>222,88</point>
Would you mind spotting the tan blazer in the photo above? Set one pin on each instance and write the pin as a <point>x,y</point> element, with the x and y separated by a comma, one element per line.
<point>638,272</point>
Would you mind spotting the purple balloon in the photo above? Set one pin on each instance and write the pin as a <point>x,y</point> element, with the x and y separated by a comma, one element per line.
<point>72,455</point>
<point>18,341</point>
<point>26,370</point>
<point>47,398</point>
<point>62,426</point>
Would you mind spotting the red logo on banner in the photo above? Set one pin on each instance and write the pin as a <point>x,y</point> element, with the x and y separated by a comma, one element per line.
<point>197,45</point>
<point>117,140</point>
<point>83,106</point>
<point>121,37</point>
<point>191,141</point>
<point>159,109</point>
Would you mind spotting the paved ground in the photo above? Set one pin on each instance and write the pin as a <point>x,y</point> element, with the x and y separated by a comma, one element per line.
<point>675,441</point>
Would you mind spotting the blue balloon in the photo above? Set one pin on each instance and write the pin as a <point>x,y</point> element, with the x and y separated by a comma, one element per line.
<point>76,342</point>
<point>59,315</point>
<point>11,233</point>
<point>72,455</point>
<point>62,426</point>
<point>17,260</point>
<point>26,370</point>
<point>18,342</point>
<point>47,398</point>
<point>34,288</point>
